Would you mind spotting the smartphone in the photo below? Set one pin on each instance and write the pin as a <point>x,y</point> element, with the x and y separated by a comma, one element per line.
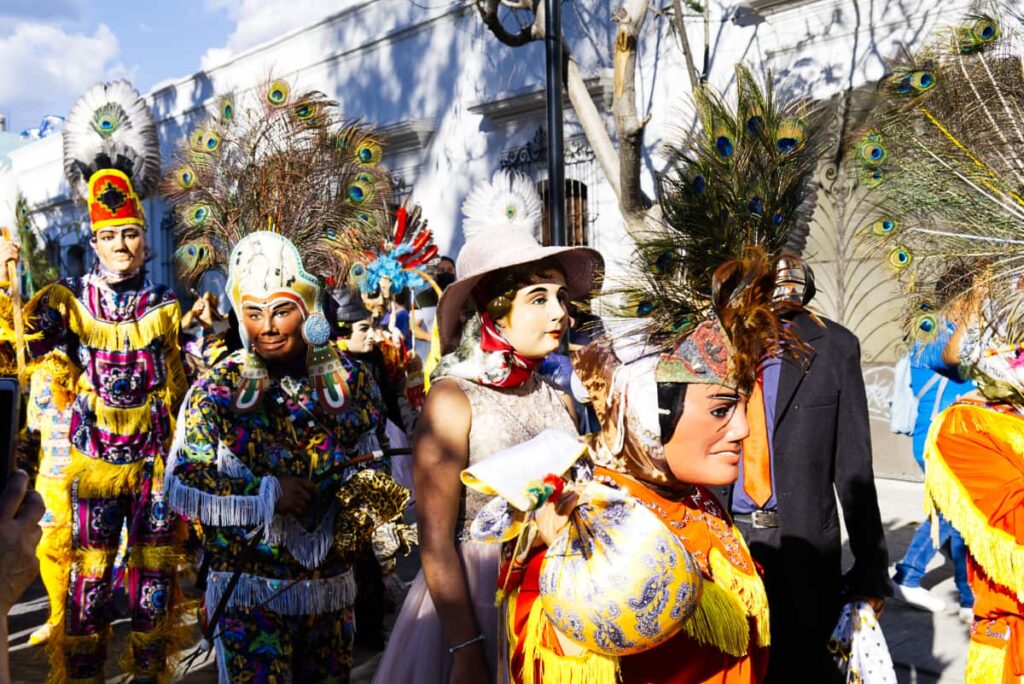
<point>10,399</point>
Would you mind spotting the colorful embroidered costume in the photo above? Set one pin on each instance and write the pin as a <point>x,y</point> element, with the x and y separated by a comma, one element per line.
<point>975,477</point>
<point>121,332</point>
<point>225,477</point>
<point>279,587</point>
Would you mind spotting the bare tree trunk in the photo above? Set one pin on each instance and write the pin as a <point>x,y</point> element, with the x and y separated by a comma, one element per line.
<point>630,128</point>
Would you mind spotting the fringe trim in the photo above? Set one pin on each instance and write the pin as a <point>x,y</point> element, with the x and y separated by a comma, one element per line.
<point>97,334</point>
<point>719,621</point>
<point>211,509</point>
<point>283,596</point>
<point>173,632</point>
<point>93,562</point>
<point>308,548</point>
<point>995,550</point>
<point>122,421</point>
<point>542,664</point>
<point>985,664</point>
<point>165,558</point>
<point>61,642</point>
<point>100,479</point>
<point>748,588</point>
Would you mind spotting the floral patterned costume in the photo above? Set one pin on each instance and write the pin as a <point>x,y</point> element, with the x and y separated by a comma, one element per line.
<point>125,342</point>
<point>49,414</point>
<point>291,612</point>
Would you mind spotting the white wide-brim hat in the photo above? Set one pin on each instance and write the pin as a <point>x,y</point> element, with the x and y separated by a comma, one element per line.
<point>481,256</point>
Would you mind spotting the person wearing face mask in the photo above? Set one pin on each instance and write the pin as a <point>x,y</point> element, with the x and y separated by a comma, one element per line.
<point>121,331</point>
<point>278,454</point>
<point>672,423</point>
<point>357,339</point>
<point>497,322</point>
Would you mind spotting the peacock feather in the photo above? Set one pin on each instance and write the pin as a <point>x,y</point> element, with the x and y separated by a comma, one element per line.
<point>111,126</point>
<point>743,180</point>
<point>943,169</point>
<point>282,160</point>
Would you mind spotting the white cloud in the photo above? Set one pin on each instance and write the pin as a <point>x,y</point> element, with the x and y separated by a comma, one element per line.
<point>47,67</point>
<point>258,21</point>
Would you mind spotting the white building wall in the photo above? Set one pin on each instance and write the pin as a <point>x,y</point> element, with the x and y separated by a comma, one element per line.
<point>392,62</point>
<point>456,101</point>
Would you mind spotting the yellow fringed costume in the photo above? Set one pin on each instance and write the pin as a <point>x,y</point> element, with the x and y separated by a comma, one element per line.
<point>52,389</point>
<point>974,476</point>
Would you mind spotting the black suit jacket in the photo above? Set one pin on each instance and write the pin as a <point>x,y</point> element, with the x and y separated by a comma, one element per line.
<point>821,448</point>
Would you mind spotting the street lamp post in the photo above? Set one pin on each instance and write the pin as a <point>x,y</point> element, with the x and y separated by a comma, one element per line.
<point>556,161</point>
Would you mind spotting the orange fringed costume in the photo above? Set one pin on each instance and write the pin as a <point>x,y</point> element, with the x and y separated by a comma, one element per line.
<point>724,642</point>
<point>975,477</point>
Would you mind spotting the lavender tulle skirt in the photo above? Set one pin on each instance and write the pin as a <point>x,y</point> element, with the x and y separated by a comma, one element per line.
<point>417,650</point>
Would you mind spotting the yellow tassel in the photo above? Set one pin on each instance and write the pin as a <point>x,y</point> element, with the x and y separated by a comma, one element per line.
<point>99,479</point>
<point>589,668</point>
<point>995,550</point>
<point>61,642</point>
<point>121,421</point>
<point>985,664</point>
<point>748,588</point>
<point>97,334</point>
<point>157,557</point>
<point>719,621</point>
<point>93,562</point>
<point>172,631</point>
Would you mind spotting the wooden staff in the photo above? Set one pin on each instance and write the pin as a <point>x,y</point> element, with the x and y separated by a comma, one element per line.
<point>19,320</point>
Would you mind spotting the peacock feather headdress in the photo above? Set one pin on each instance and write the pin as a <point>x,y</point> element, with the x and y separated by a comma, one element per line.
<point>281,194</point>
<point>112,153</point>
<point>735,195</point>
<point>943,169</point>
<point>283,162</point>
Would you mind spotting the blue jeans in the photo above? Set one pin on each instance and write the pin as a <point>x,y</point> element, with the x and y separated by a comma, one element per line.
<point>911,569</point>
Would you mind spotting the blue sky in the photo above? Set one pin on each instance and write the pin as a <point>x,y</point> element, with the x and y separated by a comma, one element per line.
<point>52,50</point>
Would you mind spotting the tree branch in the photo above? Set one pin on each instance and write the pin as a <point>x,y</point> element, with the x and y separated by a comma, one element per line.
<point>684,41</point>
<point>489,14</point>
<point>632,200</point>
<point>592,124</point>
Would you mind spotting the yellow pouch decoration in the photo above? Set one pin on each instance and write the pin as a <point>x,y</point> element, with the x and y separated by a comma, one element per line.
<point>617,581</point>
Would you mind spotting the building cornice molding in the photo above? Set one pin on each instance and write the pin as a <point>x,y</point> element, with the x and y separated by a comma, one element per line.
<point>523,105</point>
<point>411,135</point>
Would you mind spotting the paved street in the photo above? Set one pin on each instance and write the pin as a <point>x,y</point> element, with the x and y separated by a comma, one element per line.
<point>926,648</point>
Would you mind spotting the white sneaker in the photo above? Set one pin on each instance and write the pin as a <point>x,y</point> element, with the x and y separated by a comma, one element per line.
<point>966,615</point>
<point>919,597</point>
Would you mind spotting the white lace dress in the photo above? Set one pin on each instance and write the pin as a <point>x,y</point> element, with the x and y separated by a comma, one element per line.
<point>417,651</point>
